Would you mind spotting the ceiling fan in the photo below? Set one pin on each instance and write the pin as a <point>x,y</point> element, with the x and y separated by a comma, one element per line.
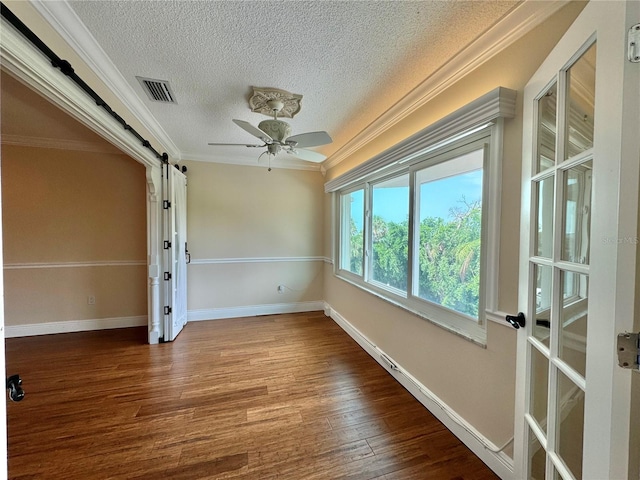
<point>276,133</point>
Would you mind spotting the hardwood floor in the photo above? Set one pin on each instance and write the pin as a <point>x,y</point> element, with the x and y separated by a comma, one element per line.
<point>274,397</point>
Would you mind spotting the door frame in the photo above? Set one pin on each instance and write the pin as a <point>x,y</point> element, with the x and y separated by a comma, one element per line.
<point>24,62</point>
<point>607,411</point>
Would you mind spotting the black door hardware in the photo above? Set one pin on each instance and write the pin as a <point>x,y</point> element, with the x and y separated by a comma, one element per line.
<point>516,321</point>
<point>16,393</point>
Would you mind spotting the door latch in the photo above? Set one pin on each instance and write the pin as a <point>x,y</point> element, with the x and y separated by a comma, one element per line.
<point>516,321</point>
<point>14,385</point>
<point>629,350</point>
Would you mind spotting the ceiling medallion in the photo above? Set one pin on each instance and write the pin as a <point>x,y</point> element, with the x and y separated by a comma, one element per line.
<point>259,102</point>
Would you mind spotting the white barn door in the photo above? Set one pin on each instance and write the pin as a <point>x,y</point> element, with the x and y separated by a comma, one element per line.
<point>579,251</point>
<point>176,253</point>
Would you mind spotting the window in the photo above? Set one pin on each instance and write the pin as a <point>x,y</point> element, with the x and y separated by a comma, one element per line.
<point>390,232</point>
<point>449,212</point>
<point>419,224</point>
<point>351,231</point>
<point>436,271</point>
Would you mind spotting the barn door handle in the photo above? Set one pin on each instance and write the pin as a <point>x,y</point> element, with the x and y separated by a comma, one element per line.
<point>516,321</point>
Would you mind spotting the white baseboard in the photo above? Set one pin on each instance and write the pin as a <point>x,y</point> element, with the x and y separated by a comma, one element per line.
<point>253,310</point>
<point>68,326</point>
<point>500,463</point>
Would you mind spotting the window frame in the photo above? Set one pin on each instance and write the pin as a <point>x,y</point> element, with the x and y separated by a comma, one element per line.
<point>368,256</point>
<point>479,141</point>
<point>340,228</point>
<point>482,118</point>
<point>469,327</point>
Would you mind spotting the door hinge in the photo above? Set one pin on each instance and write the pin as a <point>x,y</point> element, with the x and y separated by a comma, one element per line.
<point>166,204</point>
<point>167,310</point>
<point>633,43</point>
<point>167,244</point>
<point>629,350</point>
<point>167,275</point>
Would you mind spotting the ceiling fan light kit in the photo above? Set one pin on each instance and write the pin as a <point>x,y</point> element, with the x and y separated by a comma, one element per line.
<point>276,129</point>
<point>275,133</point>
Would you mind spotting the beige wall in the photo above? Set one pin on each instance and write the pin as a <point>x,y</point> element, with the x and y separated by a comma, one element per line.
<point>256,220</point>
<point>477,383</point>
<point>60,207</point>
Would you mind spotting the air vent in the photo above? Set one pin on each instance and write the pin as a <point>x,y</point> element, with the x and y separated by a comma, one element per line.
<point>157,90</point>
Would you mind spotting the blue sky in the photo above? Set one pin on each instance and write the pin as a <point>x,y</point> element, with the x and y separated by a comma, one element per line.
<point>436,199</point>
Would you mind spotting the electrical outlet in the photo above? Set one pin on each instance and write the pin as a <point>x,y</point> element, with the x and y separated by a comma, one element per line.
<point>91,300</point>
<point>280,288</point>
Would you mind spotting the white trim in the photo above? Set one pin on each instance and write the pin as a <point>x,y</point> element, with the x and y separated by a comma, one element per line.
<point>106,263</point>
<point>64,20</point>
<point>253,310</point>
<point>481,446</point>
<point>58,144</point>
<point>498,103</point>
<point>217,261</point>
<point>513,26</point>
<point>67,326</point>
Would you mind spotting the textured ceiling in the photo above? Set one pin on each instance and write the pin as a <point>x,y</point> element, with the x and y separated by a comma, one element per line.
<point>351,60</point>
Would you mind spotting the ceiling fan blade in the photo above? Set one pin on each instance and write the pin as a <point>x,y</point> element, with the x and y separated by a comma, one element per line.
<point>235,144</point>
<point>307,155</point>
<point>311,139</point>
<point>255,131</point>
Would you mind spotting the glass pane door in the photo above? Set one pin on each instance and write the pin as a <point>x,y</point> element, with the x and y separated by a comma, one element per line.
<point>559,271</point>
<point>578,283</point>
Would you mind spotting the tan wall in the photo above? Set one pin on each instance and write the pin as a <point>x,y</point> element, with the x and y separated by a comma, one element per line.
<point>61,207</point>
<point>244,212</point>
<point>477,383</point>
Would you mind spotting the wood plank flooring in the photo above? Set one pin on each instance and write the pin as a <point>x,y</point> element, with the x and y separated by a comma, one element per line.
<point>274,397</point>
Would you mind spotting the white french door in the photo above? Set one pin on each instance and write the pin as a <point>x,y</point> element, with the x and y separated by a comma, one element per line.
<point>176,253</point>
<point>578,254</point>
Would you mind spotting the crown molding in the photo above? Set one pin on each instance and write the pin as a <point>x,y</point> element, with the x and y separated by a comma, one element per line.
<point>479,114</point>
<point>58,144</point>
<point>521,20</point>
<point>69,26</point>
<point>278,164</point>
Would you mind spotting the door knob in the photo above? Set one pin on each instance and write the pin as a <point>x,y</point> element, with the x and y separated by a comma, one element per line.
<point>516,321</point>
<point>16,393</point>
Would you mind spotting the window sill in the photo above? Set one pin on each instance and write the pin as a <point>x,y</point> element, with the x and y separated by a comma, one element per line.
<point>473,332</point>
